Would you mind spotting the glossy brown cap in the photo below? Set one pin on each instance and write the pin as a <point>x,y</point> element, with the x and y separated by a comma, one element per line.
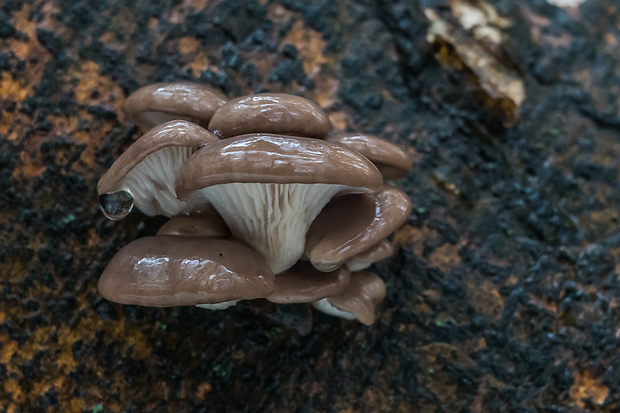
<point>277,113</point>
<point>164,271</point>
<point>303,283</point>
<point>391,160</point>
<point>161,102</point>
<point>265,158</point>
<point>351,224</point>
<point>179,133</point>
<point>361,297</point>
<point>208,224</point>
<point>381,251</point>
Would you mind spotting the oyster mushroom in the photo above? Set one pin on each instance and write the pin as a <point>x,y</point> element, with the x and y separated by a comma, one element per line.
<point>279,113</point>
<point>161,102</point>
<point>359,300</point>
<point>349,225</point>
<point>303,283</point>
<point>207,224</point>
<point>144,174</point>
<point>378,252</point>
<point>165,271</point>
<point>269,188</point>
<point>392,161</point>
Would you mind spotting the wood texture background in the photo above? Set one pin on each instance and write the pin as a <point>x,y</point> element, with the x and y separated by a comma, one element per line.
<point>504,294</point>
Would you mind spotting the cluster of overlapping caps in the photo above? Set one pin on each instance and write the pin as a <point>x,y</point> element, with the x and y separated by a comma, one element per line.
<point>264,203</point>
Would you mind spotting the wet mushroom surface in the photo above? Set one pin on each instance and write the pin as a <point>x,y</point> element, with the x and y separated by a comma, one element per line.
<point>145,174</point>
<point>502,291</point>
<point>165,271</point>
<point>279,113</point>
<point>155,104</point>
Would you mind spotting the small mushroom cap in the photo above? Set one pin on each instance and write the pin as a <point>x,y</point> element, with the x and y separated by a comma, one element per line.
<point>392,161</point>
<point>162,102</point>
<point>148,168</point>
<point>208,224</point>
<point>164,271</point>
<point>176,133</point>
<point>266,158</point>
<point>303,283</point>
<point>351,224</point>
<point>378,252</point>
<point>278,113</point>
<point>361,297</point>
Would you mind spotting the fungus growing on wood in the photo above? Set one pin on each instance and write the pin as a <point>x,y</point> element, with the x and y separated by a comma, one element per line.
<point>245,209</point>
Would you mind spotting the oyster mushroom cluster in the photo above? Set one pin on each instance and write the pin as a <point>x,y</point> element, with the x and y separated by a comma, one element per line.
<point>263,203</point>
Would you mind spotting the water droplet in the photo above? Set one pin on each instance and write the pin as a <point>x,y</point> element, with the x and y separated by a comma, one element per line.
<point>117,205</point>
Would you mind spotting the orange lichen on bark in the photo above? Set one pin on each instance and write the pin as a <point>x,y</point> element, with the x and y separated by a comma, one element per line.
<point>11,89</point>
<point>487,383</point>
<point>486,299</point>
<point>340,120</point>
<point>93,88</point>
<point>586,387</point>
<point>56,371</point>
<point>188,45</point>
<point>30,51</point>
<point>310,45</point>
<point>446,257</point>
<point>327,92</point>
<point>414,238</point>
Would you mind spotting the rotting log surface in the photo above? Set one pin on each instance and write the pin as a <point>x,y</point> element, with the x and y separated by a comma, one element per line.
<point>503,296</point>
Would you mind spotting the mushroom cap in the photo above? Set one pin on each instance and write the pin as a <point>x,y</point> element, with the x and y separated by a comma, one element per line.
<point>279,113</point>
<point>361,297</point>
<point>148,168</point>
<point>363,260</point>
<point>208,224</point>
<point>303,283</point>
<point>161,102</point>
<point>269,188</point>
<point>391,160</point>
<point>351,224</point>
<point>164,271</point>
<point>266,158</point>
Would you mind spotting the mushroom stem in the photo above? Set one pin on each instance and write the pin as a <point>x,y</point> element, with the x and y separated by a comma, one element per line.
<point>271,218</point>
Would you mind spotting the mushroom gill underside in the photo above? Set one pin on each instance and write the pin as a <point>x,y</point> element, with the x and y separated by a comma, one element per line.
<point>272,218</point>
<point>284,241</point>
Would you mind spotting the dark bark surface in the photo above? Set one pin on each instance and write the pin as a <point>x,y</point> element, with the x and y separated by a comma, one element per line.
<point>503,295</point>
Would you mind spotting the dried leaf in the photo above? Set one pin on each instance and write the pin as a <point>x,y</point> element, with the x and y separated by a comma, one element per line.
<point>469,35</point>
